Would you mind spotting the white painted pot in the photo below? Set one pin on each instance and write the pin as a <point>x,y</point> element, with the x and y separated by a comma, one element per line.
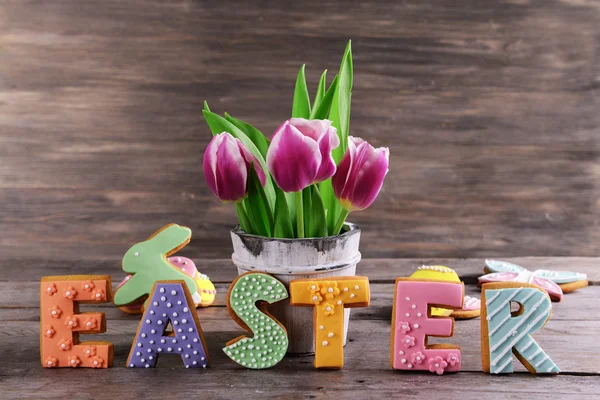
<point>290,259</point>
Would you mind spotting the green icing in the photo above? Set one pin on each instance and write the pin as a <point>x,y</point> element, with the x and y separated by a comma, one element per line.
<point>148,263</point>
<point>270,341</point>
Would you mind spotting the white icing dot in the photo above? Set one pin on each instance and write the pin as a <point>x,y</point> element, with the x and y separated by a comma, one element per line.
<point>175,314</point>
<point>163,298</point>
<point>169,305</point>
<point>143,335</point>
<point>419,315</point>
<point>416,325</point>
<point>330,334</point>
<point>409,365</point>
<point>403,361</point>
<point>169,349</point>
<point>136,254</point>
<point>184,321</point>
<point>407,341</point>
<point>185,309</point>
<point>330,290</point>
<point>162,289</point>
<point>407,314</point>
<point>67,293</point>
<point>139,345</point>
<point>325,343</point>
<point>356,287</point>
<point>328,309</point>
<point>321,327</point>
<point>437,365</point>
<point>159,322</point>
<point>401,352</point>
<point>408,299</point>
<point>173,292</point>
<point>315,298</point>
<point>414,306</point>
<point>313,287</point>
<point>352,296</point>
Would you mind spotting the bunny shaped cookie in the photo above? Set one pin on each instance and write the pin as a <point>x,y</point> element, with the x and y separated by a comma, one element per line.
<point>147,262</point>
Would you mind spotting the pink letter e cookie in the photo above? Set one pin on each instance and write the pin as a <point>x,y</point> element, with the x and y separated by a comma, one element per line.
<point>412,323</point>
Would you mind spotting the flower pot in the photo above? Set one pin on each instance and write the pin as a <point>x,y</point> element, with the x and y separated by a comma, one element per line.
<point>290,259</point>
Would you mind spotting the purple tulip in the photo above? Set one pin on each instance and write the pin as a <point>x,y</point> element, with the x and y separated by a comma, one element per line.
<point>226,163</point>
<point>300,153</point>
<point>359,176</point>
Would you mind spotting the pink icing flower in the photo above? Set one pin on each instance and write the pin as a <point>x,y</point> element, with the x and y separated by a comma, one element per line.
<point>329,290</point>
<point>453,358</point>
<point>437,365</point>
<point>403,327</point>
<point>65,344</point>
<point>71,322</point>
<point>55,312</point>
<point>51,362</point>
<point>98,294</point>
<point>74,361</point>
<point>51,289</point>
<point>97,362</point>
<point>408,341</point>
<point>90,351</point>
<point>88,286</point>
<point>70,293</point>
<point>90,323</point>
<point>328,308</point>
<point>49,331</point>
<point>417,358</point>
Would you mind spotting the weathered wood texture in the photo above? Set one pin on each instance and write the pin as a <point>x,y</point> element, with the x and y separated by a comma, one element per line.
<point>489,109</point>
<point>570,338</point>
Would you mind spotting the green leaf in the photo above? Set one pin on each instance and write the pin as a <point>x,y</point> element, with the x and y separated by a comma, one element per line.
<point>257,205</point>
<point>340,106</point>
<point>301,106</point>
<point>291,202</point>
<point>320,91</point>
<point>318,222</point>
<point>322,111</point>
<point>245,223</point>
<point>306,205</point>
<point>219,124</point>
<point>206,106</point>
<point>259,140</point>
<point>282,226</point>
<point>339,114</point>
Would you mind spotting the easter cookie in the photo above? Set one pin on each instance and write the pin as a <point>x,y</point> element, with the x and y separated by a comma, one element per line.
<point>270,341</point>
<point>503,330</point>
<point>147,262</point>
<point>568,281</point>
<point>437,273</point>
<point>329,297</point>
<point>206,288</point>
<point>471,309</point>
<point>554,290</point>
<point>61,323</point>
<point>169,302</point>
<point>413,323</point>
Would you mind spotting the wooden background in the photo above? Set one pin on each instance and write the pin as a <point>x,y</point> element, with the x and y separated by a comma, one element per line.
<point>490,110</point>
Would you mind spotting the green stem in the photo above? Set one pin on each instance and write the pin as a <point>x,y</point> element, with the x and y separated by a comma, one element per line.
<point>340,222</point>
<point>245,223</point>
<point>299,215</point>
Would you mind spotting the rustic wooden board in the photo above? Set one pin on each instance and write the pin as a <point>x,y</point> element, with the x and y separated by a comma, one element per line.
<point>489,109</point>
<point>223,270</point>
<point>569,337</point>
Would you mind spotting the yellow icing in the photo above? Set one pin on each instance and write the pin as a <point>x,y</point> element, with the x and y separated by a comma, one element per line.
<point>329,297</point>
<point>206,289</point>
<point>438,273</point>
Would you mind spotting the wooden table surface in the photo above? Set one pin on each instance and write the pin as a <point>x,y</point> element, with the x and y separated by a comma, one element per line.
<point>570,338</point>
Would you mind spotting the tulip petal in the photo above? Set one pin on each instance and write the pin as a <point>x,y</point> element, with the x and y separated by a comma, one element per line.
<point>249,158</point>
<point>209,163</point>
<point>231,173</point>
<point>293,159</point>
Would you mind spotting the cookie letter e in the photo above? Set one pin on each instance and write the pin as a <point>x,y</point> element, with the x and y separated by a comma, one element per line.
<point>412,323</point>
<point>270,341</point>
<point>503,331</point>
<point>170,301</point>
<point>329,297</point>
<point>61,323</point>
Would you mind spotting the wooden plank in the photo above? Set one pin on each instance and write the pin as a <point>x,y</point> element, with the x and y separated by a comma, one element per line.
<point>567,342</point>
<point>488,108</point>
<point>277,384</point>
<point>223,270</point>
<point>20,302</point>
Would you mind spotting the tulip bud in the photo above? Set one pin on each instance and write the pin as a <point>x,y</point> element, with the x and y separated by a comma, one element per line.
<point>360,174</point>
<point>226,162</point>
<point>300,153</point>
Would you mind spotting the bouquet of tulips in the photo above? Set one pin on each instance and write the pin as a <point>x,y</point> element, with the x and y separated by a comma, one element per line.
<point>307,179</point>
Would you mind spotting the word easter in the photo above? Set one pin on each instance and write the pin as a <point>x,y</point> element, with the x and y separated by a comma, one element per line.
<point>170,304</point>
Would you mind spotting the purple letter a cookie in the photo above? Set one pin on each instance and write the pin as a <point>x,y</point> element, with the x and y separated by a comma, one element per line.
<point>170,301</point>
